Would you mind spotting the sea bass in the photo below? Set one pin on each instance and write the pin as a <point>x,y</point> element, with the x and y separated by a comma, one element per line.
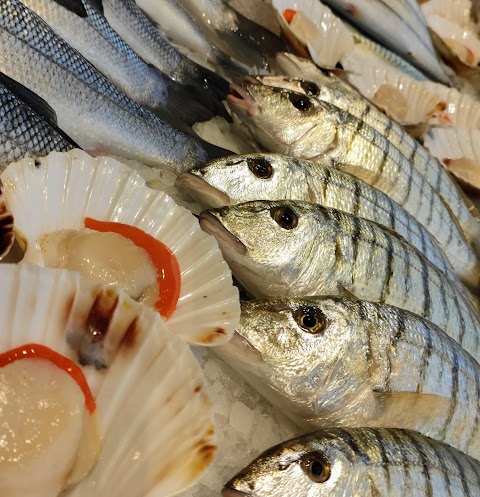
<point>328,88</point>
<point>242,178</point>
<point>81,24</point>
<point>294,124</point>
<point>341,362</point>
<point>28,124</point>
<point>359,462</point>
<point>291,248</point>
<point>89,108</point>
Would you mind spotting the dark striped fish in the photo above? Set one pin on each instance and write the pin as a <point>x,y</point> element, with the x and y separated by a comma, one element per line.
<point>360,462</point>
<point>290,123</point>
<point>242,178</point>
<point>341,362</point>
<point>328,88</point>
<point>288,248</point>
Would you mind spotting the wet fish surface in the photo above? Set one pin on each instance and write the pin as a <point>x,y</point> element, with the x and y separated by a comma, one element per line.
<point>294,124</point>
<point>28,124</point>
<point>89,108</point>
<point>360,462</point>
<point>343,362</point>
<point>291,248</point>
<point>237,179</point>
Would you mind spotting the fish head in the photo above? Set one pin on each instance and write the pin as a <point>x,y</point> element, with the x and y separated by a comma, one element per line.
<point>270,245</point>
<point>298,85</point>
<point>315,465</point>
<point>306,354</point>
<point>243,178</point>
<point>284,121</point>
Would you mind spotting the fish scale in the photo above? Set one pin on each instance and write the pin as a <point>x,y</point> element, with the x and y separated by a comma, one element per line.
<point>329,253</point>
<point>367,461</point>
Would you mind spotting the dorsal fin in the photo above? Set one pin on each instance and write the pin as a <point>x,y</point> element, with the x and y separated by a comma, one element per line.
<point>75,6</point>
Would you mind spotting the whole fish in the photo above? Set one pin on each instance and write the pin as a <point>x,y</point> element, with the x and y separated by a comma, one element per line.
<point>359,462</point>
<point>328,88</point>
<point>291,248</point>
<point>142,36</point>
<point>341,362</point>
<point>81,24</point>
<point>242,178</point>
<point>295,124</point>
<point>89,108</point>
<point>28,124</point>
<point>402,29</point>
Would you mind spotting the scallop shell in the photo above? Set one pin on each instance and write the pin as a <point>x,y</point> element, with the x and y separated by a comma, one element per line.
<point>7,235</point>
<point>155,418</point>
<point>64,188</point>
<point>459,150</point>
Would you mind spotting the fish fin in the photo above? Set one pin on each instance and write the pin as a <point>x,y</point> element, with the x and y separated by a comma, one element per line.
<point>75,6</point>
<point>344,292</point>
<point>408,409</point>
<point>368,177</point>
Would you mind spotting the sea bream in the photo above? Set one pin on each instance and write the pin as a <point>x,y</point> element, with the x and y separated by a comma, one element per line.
<point>242,178</point>
<point>28,124</point>
<point>89,108</point>
<point>81,24</point>
<point>328,361</point>
<point>291,248</point>
<point>359,462</point>
<point>291,123</point>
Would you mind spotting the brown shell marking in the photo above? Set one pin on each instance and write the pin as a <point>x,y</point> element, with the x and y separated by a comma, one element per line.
<point>7,235</point>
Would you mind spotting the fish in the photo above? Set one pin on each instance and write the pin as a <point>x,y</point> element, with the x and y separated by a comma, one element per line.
<point>329,361</point>
<point>81,24</point>
<point>90,109</point>
<point>329,88</point>
<point>366,462</point>
<point>28,124</point>
<point>261,176</point>
<point>403,29</point>
<point>292,248</point>
<point>295,124</point>
<point>145,39</point>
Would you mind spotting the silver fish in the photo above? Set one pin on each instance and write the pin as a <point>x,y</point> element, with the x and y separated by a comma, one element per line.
<point>359,462</point>
<point>82,25</point>
<point>89,108</point>
<point>141,35</point>
<point>27,124</point>
<point>291,248</point>
<point>290,123</point>
<point>242,178</point>
<point>403,29</point>
<point>341,362</point>
<point>328,88</point>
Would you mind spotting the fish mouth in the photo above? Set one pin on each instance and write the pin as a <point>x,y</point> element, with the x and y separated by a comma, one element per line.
<point>241,347</point>
<point>241,101</point>
<point>213,226</point>
<point>202,191</point>
<point>232,492</point>
<point>251,80</point>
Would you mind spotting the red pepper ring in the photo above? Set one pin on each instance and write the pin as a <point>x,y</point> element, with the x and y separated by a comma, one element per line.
<point>37,351</point>
<point>164,260</point>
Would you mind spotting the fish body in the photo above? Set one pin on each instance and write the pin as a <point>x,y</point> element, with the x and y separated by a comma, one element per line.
<point>328,88</point>
<point>342,362</point>
<point>403,29</point>
<point>291,248</point>
<point>237,179</point>
<point>28,125</point>
<point>359,462</point>
<point>89,108</point>
<point>294,124</point>
<point>83,26</point>
<point>142,36</point>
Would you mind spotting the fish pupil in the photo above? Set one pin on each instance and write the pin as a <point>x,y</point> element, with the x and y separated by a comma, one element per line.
<point>309,321</point>
<point>300,102</point>
<point>316,468</point>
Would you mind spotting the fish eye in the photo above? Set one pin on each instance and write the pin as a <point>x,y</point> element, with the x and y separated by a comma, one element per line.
<point>310,88</point>
<point>317,467</point>
<point>285,217</point>
<point>261,168</point>
<point>300,102</point>
<point>310,319</point>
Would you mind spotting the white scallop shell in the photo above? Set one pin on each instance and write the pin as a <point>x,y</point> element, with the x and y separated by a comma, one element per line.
<point>7,235</point>
<point>155,418</point>
<point>67,187</point>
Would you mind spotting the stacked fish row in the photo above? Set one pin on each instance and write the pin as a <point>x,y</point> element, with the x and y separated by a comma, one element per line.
<point>361,238</point>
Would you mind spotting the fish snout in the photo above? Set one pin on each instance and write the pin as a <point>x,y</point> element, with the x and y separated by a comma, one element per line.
<point>231,492</point>
<point>211,224</point>
<point>202,191</point>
